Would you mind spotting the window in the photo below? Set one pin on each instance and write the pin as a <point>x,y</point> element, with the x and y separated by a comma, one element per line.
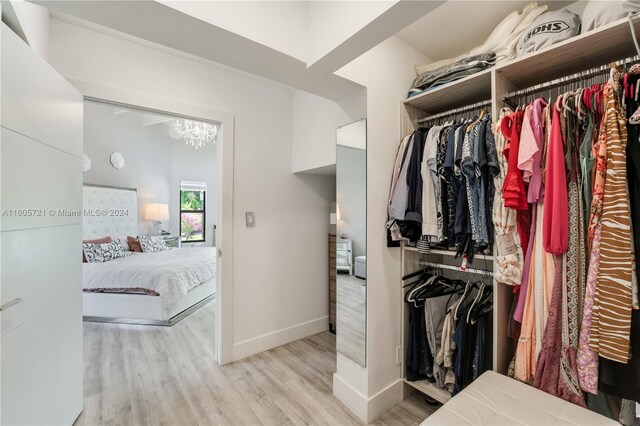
<point>192,211</point>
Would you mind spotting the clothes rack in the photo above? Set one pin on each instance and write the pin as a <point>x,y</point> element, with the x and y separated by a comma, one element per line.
<point>457,268</point>
<point>455,111</point>
<point>568,79</point>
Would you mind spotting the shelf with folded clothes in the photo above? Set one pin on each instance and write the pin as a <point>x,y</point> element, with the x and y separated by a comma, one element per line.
<point>473,88</point>
<point>605,44</point>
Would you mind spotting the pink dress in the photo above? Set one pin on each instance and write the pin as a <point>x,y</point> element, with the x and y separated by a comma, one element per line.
<point>531,142</point>
<point>531,304</point>
<point>555,225</point>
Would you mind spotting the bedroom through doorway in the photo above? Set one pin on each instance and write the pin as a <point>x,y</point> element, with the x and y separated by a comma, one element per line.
<point>151,227</point>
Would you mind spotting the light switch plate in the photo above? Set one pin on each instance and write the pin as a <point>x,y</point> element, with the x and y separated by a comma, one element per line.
<point>250,218</point>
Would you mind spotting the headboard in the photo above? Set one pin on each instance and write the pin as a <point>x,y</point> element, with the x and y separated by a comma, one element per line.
<point>109,210</point>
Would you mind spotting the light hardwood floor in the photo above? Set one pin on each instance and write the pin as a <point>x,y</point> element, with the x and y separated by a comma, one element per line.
<point>137,375</point>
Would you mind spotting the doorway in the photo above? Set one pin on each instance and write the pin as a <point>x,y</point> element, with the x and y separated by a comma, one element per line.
<point>220,234</point>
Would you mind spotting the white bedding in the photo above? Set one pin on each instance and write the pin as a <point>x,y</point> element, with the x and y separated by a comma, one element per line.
<point>170,273</point>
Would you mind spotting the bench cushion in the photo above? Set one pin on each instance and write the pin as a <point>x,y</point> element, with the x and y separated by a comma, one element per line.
<point>494,399</point>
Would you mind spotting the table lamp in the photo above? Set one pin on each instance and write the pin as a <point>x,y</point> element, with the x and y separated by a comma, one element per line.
<point>156,212</point>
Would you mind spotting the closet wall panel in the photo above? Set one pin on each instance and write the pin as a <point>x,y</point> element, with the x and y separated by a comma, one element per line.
<point>39,177</point>
<point>502,294</point>
<point>32,105</point>
<point>38,377</point>
<point>50,248</point>
<point>41,298</point>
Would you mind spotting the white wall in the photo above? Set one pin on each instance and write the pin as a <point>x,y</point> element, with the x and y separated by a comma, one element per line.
<point>353,135</point>
<point>34,21</point>
<point>315,120</point>
<point>278,294</point>
<point>331,23</point>
<point>154,163</point>
<point>281,25</point>
<point>380,382</point>
<point>305,30</point>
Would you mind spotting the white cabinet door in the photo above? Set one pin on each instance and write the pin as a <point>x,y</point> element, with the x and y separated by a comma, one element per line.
<point>40,253</point>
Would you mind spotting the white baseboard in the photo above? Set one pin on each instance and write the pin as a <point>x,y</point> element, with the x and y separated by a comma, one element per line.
<point>278,338</point>
<point>384,400</point>
<point>368,409</point>
<point>350,397</point>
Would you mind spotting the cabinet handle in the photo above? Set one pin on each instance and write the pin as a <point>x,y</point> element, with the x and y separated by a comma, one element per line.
<point>8,305</point>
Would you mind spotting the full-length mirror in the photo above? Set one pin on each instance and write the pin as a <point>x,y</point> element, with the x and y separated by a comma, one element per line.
<point>351,241</point>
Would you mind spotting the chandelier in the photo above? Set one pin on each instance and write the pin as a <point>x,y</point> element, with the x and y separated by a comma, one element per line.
<point>195,133</point>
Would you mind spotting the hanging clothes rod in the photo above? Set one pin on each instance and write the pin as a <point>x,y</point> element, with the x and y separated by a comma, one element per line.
<point>455,111</point>
<point>562,81</point>
<point>457,268</point>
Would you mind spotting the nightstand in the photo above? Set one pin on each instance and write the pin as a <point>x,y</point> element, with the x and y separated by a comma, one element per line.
<point>344,255</point>
<point>172,241</point>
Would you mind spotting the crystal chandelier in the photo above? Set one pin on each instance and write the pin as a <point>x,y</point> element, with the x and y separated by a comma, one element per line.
<point>195,133</point>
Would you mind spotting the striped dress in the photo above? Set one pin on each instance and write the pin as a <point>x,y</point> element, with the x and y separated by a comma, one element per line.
<point>611,323</point>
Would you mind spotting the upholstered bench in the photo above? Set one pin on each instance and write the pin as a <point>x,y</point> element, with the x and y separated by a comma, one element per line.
<point>494,399</point>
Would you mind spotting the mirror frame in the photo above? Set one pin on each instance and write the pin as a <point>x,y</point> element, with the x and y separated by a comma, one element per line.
<point>362,362</point>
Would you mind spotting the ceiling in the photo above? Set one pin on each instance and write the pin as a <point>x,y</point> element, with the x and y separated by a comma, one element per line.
<point>434,36</point>
<point>297,43</point>
<point>265,50</point>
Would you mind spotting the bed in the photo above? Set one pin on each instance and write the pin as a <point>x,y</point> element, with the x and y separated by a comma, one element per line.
<point>141,288</point>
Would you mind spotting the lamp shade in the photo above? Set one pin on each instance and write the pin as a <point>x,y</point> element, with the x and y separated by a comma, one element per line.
<point>155,211</point>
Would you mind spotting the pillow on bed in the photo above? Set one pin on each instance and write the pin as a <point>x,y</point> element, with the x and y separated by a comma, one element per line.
<point>124,242</point>
<point>152,244</point>
<point>100,253</point>
<point>134,244</point>
<point>102,240</point>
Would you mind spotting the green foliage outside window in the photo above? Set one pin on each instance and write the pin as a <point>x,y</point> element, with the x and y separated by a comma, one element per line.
<point>191,200</point>
<point>192,215</point>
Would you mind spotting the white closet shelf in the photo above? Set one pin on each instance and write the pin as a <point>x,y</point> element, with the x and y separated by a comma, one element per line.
<point>474,88</point>
<point>606,44</point>
<point>429,389</point>
<point>451,253</point>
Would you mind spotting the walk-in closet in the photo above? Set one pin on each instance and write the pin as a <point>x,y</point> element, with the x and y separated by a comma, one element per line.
<point>530,255</point>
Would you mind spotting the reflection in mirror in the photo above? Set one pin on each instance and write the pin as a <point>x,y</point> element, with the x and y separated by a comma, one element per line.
<point>351,244</point>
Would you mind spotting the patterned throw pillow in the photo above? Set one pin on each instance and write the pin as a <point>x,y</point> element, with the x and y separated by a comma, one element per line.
<point>152,244</point>
<point>100,253</point>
